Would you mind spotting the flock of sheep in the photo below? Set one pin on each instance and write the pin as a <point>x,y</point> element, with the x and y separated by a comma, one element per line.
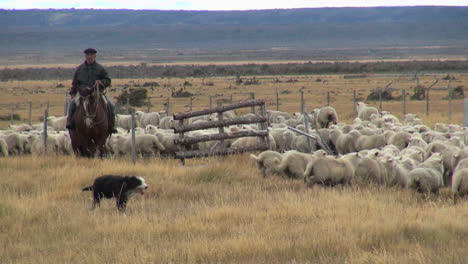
<point>375,148</point>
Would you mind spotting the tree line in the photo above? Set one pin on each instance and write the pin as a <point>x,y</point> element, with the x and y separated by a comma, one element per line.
<point>144,70</point>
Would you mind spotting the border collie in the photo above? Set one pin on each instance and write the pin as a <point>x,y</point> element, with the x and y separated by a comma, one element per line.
<point>120,187</point>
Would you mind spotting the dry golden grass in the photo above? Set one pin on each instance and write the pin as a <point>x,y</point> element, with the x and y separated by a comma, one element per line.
<point>220,209</point>
<point>217,214</point>
<point>17,94</point>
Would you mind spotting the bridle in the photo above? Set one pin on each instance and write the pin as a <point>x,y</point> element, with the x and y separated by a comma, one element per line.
<point>90,117</point>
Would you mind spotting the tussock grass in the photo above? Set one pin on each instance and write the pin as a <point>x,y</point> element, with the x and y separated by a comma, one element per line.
<point>217,210</point>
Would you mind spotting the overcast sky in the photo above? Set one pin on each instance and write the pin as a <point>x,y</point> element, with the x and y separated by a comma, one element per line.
<point>216,4</point>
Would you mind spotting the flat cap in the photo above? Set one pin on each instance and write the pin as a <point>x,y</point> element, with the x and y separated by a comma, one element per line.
<point>90,51</point>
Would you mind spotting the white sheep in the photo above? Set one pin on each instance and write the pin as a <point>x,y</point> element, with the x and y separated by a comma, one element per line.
<point>325,116</point>
<point>364,111</point>
<point>460,180</point>
<point>427,177</point>
<point>328,171</point>
<point>58,123</point>
<point>124,121</point>
<point>151,118</point>
<point>267,161</point>
<point>13,141</point>
<point>294,164</point>
<point>3,147</point>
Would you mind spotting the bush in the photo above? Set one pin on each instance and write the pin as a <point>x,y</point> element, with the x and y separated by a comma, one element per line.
<point>7,117</point>
<point>137,97</point>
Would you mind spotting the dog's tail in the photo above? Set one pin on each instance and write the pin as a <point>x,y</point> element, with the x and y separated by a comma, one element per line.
<point>89,188</point>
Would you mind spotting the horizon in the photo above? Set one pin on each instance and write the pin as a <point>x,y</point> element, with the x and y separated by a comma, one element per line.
<point>206,5</point>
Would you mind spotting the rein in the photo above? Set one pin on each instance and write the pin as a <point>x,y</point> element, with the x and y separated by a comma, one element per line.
<point>91,117</point>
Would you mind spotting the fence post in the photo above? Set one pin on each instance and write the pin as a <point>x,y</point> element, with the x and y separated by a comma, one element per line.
<point>133,138</point>
<point>427,101</point>
<point>403,98</point>
<point>128,105</point>
<point>306,126</point>
<point>449,101</point>
<point>168,102</point>
<point>380,100</point>
<point>264,125</point>
<point>328,98</point>
<point>354,103</point>
<point>148,105</point>
<point>220,129</point>
<point>231,99</point>
<point>30,113</point>
<point>465,112</point>
<point>12,114</point>
<point>191,104</point>
<point>277,100</point>
<point>210,101</point>
<point>65,107</point>
<point>46,114</point>
<point>302,100</point>
<point>252,96</point>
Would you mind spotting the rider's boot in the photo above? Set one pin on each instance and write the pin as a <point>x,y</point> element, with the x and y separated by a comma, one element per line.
<point>112,129</point>
<point>70,122</point>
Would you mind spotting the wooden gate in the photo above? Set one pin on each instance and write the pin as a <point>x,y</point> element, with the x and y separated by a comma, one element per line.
<point>183,141</point>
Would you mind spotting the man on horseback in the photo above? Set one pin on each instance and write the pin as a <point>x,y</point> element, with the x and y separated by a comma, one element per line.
<point>92,75</point>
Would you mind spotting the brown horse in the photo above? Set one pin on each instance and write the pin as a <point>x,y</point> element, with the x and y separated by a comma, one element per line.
<point>91,124</point>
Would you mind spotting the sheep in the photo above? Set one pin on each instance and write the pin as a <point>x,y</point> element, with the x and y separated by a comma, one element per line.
<point>14,144</point>
<point>273,116</point>
<point>417,141</point>
<point>151,118</point>
<point>283,138</point>
<point>364,111</point>
<point>3,147</point>
<point>427,177</point>
<point>21,128</point>
<point>436,146</point>
<point>58,123</point>
<point>325,116</point>
<point>369,169</point>
<point>166,122</point>
<point>267,162</point>
<point>414,152</point>
<point>400,139</point>
<point>124,121</point>
<point>450,156</point>
<point>378,141</point>
<point>144,145</point>
<point>167,140</point>
<point>328,171</point>
<point>294,164</point>
<point>344,143</point>
<point>301,144</point>
<point>26,143</point>
<point>252,141</point>
<point>38,145</point>
<point>460,180</point>
<point>397,171</point>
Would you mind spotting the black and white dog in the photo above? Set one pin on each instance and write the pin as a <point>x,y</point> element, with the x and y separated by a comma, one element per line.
<point>120,187</point>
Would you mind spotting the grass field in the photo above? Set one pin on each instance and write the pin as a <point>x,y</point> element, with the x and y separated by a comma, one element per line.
<point>17,94</point>
<point>220,210</point>
<point>213,212</point>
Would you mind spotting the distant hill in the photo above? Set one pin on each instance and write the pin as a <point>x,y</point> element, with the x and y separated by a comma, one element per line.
<point>147,30</point>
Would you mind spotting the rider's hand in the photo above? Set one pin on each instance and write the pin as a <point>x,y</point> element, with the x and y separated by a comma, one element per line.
<point>98,83</point>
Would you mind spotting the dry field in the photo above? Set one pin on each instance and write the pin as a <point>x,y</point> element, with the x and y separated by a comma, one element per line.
<point>15,95</point>
<point>211,211</point>
<point>217,214</point>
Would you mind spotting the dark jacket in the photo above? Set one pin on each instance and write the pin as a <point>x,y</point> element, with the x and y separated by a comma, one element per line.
<point>86,74</point>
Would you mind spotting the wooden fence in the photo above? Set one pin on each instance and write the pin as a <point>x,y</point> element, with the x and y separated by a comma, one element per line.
<point>183,142</point>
